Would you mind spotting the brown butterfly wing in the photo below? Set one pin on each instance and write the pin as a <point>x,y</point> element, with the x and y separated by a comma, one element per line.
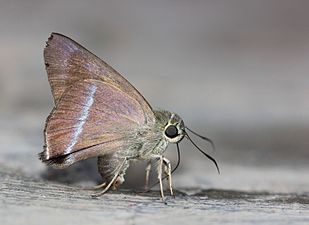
<point>68,62</point>
<point>91,118</point>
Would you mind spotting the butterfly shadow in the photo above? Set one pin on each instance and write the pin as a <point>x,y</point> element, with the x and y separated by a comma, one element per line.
<point>84,172</point>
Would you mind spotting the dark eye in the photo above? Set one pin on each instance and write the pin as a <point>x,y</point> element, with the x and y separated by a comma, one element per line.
<point>171,131</point>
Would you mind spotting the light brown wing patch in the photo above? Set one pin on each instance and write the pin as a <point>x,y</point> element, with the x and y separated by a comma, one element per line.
<point>92,118</point>
<point>68,62</point>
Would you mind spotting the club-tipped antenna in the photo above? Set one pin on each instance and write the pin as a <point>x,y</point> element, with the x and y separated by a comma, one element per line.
<point>203,137</point>
<point>205,154</point>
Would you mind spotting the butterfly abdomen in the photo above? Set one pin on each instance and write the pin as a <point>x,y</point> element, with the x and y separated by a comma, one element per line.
<point>108,165</point>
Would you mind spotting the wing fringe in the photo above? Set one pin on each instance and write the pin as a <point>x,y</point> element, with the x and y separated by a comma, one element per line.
<point>57,162</point>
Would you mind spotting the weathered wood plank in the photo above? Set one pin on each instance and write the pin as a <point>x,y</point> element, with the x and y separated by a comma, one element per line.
<point>25,200</point>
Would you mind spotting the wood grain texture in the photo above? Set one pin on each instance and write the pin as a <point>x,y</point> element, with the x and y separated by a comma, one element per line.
<point>24,200</point>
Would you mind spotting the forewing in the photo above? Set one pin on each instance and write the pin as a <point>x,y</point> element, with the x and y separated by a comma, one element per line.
<point>68,62</point>
<point>92,118</point>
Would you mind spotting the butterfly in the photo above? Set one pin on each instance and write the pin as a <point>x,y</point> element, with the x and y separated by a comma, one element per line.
<point>98,113</point>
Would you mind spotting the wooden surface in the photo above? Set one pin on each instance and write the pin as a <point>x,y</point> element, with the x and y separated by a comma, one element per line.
<point>26,200</point>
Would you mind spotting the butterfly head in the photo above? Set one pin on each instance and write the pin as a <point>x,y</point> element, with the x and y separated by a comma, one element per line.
<point>174,130</point>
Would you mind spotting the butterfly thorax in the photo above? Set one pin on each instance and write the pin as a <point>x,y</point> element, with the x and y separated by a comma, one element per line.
<point>145,144</point>
<point>154,139</point>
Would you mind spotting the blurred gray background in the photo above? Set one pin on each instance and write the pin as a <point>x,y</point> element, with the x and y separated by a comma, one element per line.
<point>236,71</point>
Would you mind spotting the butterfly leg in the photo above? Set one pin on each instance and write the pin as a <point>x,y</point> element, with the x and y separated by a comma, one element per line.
<point>119,169</point>
<point>119,180</point>
<point>168,171</point>
<point>97,186</point>
<point>148,168</point>
<point>159,168</point>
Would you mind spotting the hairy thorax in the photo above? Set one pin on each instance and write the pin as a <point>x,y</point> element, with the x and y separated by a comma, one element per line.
<point>146,143</point>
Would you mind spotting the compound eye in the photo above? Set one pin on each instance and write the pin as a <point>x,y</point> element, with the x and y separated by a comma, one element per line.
<point>171,131</point>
